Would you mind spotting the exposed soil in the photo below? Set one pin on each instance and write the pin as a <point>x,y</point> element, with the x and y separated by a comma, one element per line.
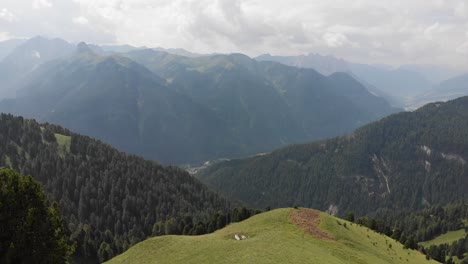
<point>309,220</point>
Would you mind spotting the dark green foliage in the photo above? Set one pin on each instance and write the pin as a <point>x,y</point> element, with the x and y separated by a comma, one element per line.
<point>31,228</point>
<point>410,243</point>
<point>437,253</point>
<point>409,228</point>
<point>407,160</point>
<point>350,217</point>
<point>445,253</point>
<point>110,200</point>
<point>186,226</point>
<point>425,224</point>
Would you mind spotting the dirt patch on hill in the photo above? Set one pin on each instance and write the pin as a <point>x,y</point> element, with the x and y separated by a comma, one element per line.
<point>309,221</point>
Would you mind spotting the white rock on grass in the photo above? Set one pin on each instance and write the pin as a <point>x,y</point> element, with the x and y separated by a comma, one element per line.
<point>236,236</point>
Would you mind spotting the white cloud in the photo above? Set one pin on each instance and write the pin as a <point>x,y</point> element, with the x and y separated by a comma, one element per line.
<point>395,32</point>
<point>335,40</point>
<point>81,20</point>
<point>460,10</point>
<point>41,4</point>
<point>6,15</point>
<point>437,29</point>
<point>462,48</point>
<point>4,36</point>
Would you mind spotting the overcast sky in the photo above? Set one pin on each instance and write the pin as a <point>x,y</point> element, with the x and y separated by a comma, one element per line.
<point>391,32</point>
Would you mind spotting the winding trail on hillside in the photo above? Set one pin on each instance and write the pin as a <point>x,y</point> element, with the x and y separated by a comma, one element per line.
<point>309,221</point>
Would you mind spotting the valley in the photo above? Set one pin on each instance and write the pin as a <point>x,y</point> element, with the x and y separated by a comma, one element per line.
<point>401,161</point>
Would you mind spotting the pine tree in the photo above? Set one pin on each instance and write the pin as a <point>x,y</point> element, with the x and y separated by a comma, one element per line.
<point>350,217</point>
<point>31,229</point>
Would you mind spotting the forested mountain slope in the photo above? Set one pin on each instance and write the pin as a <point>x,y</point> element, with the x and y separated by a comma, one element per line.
<point>439,231</point>
<point>260,98</point>
<point>110,200</point>
<point>406,160</point>
<point>184,110</point>
<point>122,103</point>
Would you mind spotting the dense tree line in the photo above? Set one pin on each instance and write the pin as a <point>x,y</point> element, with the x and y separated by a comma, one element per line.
<point>186,225</point>
<point>428,223</point>
<point>109,200</point>
<point>408,160</point>
<point>31,227</point>
<point>446,253</point>
<point>412,227</point>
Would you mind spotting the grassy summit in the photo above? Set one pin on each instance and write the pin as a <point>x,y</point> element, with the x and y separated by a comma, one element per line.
<point>278,236</point>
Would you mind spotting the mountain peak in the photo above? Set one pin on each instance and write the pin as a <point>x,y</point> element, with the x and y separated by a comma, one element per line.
<point>37,38</point>
<point>82,47</point>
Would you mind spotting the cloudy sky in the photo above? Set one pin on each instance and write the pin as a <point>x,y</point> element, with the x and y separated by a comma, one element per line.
<point>391,32</point>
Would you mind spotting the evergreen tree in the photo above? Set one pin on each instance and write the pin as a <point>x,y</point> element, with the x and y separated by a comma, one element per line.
<point>350,217</point>
<point>31,229</point>
<point>101,190</point>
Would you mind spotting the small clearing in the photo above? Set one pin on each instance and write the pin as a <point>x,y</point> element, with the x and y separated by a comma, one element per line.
<point>309,221</point>
<point>64,143</point>
<point>447,238</point>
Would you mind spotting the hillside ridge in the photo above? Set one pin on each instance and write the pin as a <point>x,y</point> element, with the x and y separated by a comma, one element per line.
<point>272,237</point>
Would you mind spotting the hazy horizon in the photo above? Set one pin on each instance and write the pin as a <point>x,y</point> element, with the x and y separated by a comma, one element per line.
<point>393,33</point>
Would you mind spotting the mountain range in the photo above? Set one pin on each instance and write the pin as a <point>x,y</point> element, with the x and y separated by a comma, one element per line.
<point>446,90</point>
<point>8,45</point>
<point>326,65</point>
<point>25,57</point>
<point>401,86</point>
<point>178,109</point>
<point>226,82</point>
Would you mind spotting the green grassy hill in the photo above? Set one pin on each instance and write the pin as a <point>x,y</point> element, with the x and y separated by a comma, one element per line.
<point>279,236</point>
